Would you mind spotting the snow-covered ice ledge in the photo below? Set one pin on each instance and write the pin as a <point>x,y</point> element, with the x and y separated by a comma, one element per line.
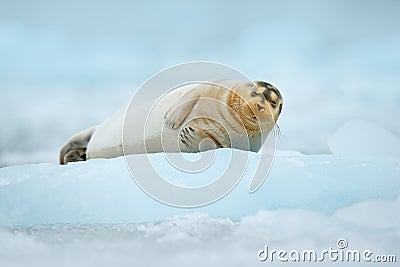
<point>102,190</point>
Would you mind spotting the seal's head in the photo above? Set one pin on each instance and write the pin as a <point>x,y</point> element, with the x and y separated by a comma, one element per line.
<point>261,105</point>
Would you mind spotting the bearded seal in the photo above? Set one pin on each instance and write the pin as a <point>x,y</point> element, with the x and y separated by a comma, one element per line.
<point>195,117</point>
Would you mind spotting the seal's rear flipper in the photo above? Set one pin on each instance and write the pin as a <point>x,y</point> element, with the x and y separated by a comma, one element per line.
<point>75,148</point>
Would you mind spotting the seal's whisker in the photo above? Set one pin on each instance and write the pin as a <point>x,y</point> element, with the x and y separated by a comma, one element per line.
<point>277,130</point>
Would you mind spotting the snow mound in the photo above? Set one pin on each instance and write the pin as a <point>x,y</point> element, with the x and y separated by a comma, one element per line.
<point>102,191</point>
<point>364,138</point>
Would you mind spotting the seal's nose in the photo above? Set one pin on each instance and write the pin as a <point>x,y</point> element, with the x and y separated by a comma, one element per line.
<point>259,107</point>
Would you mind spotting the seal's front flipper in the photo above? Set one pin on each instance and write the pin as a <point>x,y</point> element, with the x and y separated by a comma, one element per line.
<point>193,139</point>
<point>75,148</point>
<point>178,112</point>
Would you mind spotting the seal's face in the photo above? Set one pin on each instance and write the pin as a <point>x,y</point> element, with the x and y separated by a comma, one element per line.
<point>262,104</point>
<point>272,96</point>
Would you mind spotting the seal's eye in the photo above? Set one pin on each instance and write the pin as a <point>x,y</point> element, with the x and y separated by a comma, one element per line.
<point>255,93</point>
<point>273,103</point>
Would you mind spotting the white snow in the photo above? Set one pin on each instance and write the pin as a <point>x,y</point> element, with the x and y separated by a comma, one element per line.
<point>198,240</point>
<point>364,138</point>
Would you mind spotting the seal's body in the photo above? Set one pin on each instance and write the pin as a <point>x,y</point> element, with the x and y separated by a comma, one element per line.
<point>192,118</point>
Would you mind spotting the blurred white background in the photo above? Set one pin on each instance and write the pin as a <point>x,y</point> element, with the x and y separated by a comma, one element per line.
<point>67,65</point>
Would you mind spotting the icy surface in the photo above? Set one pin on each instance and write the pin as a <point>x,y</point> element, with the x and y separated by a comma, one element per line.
<point>198,240</point>
<point>93,214</point>
<point>102,190</point>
